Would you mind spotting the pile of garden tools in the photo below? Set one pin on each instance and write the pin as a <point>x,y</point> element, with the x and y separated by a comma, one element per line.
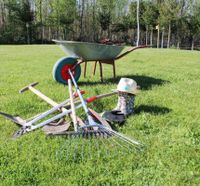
<point>93,125</point>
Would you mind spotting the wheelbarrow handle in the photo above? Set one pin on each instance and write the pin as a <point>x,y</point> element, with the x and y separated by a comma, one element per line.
<point>130,50</point>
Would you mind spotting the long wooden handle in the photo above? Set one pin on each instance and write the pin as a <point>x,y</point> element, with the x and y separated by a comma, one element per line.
<point>72,105</point>
<point>47,99</point>
<point>41,95</point>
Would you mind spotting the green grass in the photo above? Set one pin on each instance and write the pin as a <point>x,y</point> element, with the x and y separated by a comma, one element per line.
<point>166,120</point>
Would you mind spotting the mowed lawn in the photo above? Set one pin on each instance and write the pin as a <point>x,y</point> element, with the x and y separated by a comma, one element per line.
<point>166,121</point>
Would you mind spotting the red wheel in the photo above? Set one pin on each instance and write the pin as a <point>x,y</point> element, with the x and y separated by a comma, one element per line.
<point>61,68</point>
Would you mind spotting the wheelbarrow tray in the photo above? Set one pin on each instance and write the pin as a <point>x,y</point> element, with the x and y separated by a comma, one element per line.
<point>90,51</point>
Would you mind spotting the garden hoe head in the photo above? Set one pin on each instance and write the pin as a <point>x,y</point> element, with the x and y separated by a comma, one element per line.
<point>54,127</point>
<point>51,129</point>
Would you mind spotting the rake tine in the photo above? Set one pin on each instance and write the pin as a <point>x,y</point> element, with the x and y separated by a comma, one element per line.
<point>69,147</point>
<point>127,147</point>
<point>102,140</point>
<point>97,148</point>
<point>110,144</point>
<point>68,144</point>
<point>120,143</point>
<point>58,153</point>
<point>75,151</point>
<point>61,150</point>
<point>82,150</point>
<point>117,142</point>
<point>124,138</point>
<point>90,147</point>
<point>124,146</point>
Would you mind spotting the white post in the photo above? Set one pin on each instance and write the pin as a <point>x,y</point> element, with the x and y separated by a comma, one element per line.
<point>162,41</point>
<point>27,32</point>
<point>138,22</point>
<point>158,36</point>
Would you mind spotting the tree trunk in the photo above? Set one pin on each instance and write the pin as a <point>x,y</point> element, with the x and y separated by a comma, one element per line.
<point>58,32</point>
<point>146,37</point>
<point>192,46</point>
<point>158,37</point>
<point>94,20</point>
<point>81,20</point>
<point>49,33</point>
<point>41,21</point>
<point>151,37</point>
<point>178,41</point>
<point>43,33</point>
<point>2,16</point>
<point>178,44</point>
<point>169,36</point>
<point>162,41</point>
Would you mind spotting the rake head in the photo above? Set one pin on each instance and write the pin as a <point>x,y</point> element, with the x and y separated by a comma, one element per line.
<point>92,145</point>
<point>94,140</point>
<point>83,134</point>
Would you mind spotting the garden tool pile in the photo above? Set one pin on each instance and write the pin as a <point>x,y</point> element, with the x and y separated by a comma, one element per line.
<point>93,125</point>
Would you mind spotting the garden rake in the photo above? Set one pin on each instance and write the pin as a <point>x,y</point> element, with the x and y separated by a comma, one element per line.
<point>95,139</point>
<point>97,128</point>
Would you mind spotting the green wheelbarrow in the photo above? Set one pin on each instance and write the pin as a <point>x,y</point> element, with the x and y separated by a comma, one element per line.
<point>83,52</point>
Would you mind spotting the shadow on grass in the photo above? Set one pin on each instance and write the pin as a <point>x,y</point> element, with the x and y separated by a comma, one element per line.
<point>145,82</point>
<point>152,109</point>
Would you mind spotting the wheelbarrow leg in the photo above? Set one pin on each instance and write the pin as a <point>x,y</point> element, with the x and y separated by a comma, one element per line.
<point>95,65</point>
<point>114,73</point>
<point>101,71</point>
<point>85,69</point>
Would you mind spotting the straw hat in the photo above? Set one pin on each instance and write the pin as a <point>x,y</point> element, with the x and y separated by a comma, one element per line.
<point>127,85</point>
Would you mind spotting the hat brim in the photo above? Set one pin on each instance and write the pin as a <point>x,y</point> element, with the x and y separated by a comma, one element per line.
<point>129,92</point>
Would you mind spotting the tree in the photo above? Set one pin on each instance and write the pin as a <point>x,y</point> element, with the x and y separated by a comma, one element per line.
<point>28,21</point>
<point>193,21</point>
<point>150,17</point>
<point>21,13</point>
<point>67,15</point>
<point>105,14</point>
<point>168,14</point>
<point>182,10</point>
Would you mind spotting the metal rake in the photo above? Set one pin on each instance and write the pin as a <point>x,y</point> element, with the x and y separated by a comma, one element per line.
<point>94,128</point>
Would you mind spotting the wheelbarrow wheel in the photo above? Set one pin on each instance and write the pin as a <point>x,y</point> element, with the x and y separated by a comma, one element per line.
<point>61,67</point>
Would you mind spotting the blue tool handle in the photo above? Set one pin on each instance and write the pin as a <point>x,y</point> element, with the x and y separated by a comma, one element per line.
<point>79,92</point>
